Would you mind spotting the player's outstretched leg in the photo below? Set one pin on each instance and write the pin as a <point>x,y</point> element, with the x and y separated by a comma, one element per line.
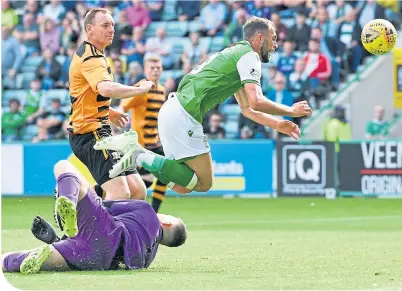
<point>43,231</point>
<point>168,171</point>
<point>158,195</point>
<point>35,259</point>
<point>68,188</point>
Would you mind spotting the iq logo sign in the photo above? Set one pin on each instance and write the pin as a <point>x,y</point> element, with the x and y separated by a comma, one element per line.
<point>305,169</point>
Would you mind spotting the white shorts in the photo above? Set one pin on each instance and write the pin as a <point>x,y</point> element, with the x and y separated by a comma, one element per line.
<point>181,135</point>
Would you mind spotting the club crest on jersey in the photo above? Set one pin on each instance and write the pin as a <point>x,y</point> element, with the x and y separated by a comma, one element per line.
<point>253,73</point>
<point>190,133</point>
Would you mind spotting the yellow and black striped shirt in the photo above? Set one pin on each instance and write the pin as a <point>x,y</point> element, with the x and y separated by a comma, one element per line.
<point>144,115</point>
<point>89,109</point>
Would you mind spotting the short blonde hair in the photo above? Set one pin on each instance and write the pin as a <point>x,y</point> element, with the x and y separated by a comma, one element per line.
<point>89,17</point>
<point>154,58</point>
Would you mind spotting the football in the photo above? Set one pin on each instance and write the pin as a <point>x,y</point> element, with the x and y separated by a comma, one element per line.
<point>379,36</point>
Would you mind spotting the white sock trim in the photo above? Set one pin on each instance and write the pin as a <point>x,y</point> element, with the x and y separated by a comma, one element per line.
<point>193,182</point>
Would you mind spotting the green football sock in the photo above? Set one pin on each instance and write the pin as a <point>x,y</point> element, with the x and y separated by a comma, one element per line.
<point>168,170</point>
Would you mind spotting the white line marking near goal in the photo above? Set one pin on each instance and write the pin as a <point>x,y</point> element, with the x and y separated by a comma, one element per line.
<point>292,220</point>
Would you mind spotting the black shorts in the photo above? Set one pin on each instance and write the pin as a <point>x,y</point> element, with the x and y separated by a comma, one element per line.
<point>159,151</point>
<point>99,163</point>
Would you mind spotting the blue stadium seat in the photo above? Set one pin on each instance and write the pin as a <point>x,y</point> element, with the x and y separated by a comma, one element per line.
<point>217,44</point>
<point>61,59</point>
<point>12,94</point>
<point>29,132</point>
<point>165,75</point>
<point>151,30</point>
<point>288,22</point>
<point>30,64</point>
<point>230,109</point>
<point>231,128</point>
<point>177,73</point>
<point>274,58</point>
<point>61,94</point>
<point>27,78</point>
<point>205,42</point>
<point>176,28</point>
<point>194,26</point>
<point>169,10</point>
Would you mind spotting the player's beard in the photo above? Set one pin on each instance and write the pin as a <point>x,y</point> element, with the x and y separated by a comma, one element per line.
<point>265,54</point>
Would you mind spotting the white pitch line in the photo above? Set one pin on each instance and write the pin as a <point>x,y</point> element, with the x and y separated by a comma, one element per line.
<point>293,220</point>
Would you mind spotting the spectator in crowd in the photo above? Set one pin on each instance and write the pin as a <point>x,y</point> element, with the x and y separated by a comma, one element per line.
<point>327,25</point>
<point>34,102</point>
<point>212,18</point>
<point>377,128</point>
<point>134,48</point>
<point>118,74</point>
<point>185,69</point>
<point>287,61</point>
<point>368,10</point>
<point>349,33</point>
<point>160,45</point>
<point>300,32</point>
<point>333,49</point>
<point>12,122</point>
<point>49,70</point>
<point>54,11</point>
<point>138,14</point>
<point>134,74</point>
<point>258,8</point>
<point>214,129</point>
<point>281,29</point>
<point>50,123</point>
<point>187,10</point>
<point>30,31</point>
<point>65,67</point>
<point>90,4</point>
<point>69,35</point>
<point>115,56</point>
<point>317,65</point>
<point>22,53</point>
<point>338,10</point>
<point>280,94</point>
<point>297,83</point>
<point>170,86</point>
<point>337,128</point>
<point>9,17</point>
<point>123,32</point>
<point>193,52</point>
<point>50,36</point>
<point>233,7</point>
<point>268,80</point>
<point>313,7</point>
<point>250,129</point>
<point>234,32</point>
<point>32,7</point>
<point>155,8</point>
<point>11,58</point>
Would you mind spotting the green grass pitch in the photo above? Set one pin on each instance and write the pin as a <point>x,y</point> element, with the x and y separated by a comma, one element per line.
<point>244,244</point>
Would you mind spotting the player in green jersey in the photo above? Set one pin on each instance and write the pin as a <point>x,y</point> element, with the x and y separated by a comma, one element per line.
<point>234,71</point>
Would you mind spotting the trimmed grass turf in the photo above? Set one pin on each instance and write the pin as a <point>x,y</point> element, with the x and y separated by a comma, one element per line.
<point>244,244</point>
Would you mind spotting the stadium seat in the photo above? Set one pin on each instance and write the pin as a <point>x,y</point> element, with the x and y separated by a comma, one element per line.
<point>274,58</point>
<point>11,94</point>
<point>205,42</point>
<point>151,30</point>
<point>61,59</point>
<point>230,109</point>
<point>217,44</point>
<point>288,22</point>
<point>231,128</point>
<point>30,64</point>
<point>194,26</point>
<point>169,10</point>
<point>177,73</point>
<point>61,94</point>
<point>29,132</point>
<point>176,28</point>
<point>27,78</point>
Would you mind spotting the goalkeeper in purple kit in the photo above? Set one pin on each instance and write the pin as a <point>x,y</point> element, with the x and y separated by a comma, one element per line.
<point>127,232</point>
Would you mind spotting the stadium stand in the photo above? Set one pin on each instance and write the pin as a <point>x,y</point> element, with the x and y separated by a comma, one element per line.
<point>333,17</point>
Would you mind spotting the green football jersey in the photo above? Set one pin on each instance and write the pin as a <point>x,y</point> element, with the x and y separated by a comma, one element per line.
<point>218,78</point>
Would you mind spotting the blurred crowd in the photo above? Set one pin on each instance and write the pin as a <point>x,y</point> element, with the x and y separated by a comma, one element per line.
<point>319,46</point>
